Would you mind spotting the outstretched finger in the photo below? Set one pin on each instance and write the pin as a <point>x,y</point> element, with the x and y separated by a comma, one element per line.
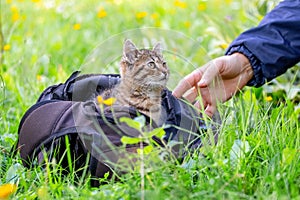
<point>187,83</point>
<point>191,94</point>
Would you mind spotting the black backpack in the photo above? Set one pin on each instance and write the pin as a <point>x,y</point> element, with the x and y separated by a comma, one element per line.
<point>65,120</point>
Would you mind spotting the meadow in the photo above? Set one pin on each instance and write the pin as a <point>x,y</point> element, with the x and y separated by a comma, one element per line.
<point>43,41</point>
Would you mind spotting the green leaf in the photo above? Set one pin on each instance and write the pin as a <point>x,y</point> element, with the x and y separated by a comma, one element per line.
<point>130,140</point>
<point>132,123</point>
<point>158,132</point>
<point>146,150</point>
<point>258,92</point>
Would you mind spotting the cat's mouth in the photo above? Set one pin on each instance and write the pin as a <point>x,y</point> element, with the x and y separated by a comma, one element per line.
<point>155,82</point>
<point>158,84</point>
<point>161,78</point>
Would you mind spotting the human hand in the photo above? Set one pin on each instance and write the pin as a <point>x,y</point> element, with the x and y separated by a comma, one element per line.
<point>217,81</point>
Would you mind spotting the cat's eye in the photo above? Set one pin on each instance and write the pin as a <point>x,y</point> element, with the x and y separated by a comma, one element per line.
<point>164,64</point>
<point>151,64</point>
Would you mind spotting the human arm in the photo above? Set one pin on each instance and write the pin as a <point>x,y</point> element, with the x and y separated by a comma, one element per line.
<point>270,48</point>
<point>274,45</point>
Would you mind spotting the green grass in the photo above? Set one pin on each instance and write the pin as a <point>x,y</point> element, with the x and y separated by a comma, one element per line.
<point>45,41</point>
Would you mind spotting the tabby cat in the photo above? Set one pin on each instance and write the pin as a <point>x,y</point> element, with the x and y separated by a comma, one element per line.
<point>144,74</point>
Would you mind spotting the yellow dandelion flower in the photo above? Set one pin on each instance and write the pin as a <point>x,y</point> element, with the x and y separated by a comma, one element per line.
<point>76,26</point>
<point>269,98</point>
<point>100,99</point>
<point>8,1</point>
<point>35,1</point>
<point>15,17</point>
<point>101,13</point>
<point>141,15</point>
<point>15,13</point>
<point>6,47</point>
<point>180,4</point>
<point>6,190</point>
<point>39,78</point>
<point>223,45</point>
<point>202,6</point>
<point>14,9</point>
<point>154,16</point>
<point>110,101</point>
<point>187,24</point>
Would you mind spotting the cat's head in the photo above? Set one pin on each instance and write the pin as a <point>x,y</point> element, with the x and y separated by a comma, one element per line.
<point>144,67</point>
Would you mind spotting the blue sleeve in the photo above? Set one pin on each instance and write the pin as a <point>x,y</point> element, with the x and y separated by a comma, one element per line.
<point>274,45</point>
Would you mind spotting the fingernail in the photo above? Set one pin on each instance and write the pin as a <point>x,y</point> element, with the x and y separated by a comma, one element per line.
<point>202,83</point>
<point>174,94</point>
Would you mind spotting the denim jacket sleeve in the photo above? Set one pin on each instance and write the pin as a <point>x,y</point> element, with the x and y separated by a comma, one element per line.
<point>274,45</point>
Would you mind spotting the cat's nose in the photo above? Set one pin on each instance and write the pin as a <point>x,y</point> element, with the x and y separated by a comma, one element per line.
<point>165,73</point>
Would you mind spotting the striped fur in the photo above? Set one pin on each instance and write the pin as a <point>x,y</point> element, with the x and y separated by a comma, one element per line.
<point>144,74</point>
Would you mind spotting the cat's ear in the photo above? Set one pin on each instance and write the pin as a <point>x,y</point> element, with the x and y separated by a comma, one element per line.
<point>129,50</point>
<point>157,48</point>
